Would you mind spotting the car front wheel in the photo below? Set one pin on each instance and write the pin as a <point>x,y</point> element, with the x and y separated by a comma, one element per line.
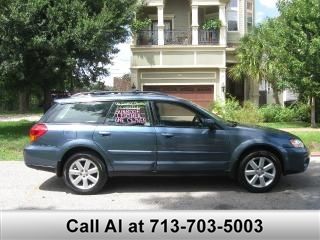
<point>85,173</point>
<point>259,171</point>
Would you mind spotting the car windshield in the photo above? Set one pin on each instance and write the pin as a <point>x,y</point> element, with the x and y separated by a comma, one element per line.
<point>216,117</point>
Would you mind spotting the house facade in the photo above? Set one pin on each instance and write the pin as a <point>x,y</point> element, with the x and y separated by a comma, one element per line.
<point>174,54</point>
<point>267,95</point>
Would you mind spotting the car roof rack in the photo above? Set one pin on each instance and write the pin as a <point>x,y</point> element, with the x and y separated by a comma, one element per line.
<point>107,93</point>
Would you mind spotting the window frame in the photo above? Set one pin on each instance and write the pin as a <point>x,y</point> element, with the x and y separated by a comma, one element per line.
<point>53,110</point>
<point>237,10</point>
<point>148,109</point>
<point>234,8</point>
<point>250,13</point>
<point>249,2</point>
<point>249,23</point>
<point>190,108</point>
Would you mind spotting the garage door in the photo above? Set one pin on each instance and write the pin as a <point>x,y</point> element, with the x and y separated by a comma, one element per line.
<point>202,95</point>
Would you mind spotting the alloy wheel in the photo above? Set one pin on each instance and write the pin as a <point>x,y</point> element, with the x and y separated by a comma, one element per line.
<point>83,174</point>
<point>260,172</point>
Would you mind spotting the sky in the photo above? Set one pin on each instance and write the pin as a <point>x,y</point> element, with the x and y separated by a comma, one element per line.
<point>121,61</point>
<point>265,8</point>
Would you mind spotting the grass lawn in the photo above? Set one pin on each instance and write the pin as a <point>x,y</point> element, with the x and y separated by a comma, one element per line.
<point>311,139</point>
<point>286,125</point>
<point>13,113</point>
<point>13,137</point>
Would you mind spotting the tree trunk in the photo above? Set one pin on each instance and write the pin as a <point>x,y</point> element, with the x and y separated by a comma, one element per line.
<point>276,96</point>
<point>46,99</point>
<point>23,101</point>
<point>313,112</point>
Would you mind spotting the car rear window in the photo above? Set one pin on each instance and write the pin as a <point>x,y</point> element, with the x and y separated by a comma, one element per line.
<point>79,113</point>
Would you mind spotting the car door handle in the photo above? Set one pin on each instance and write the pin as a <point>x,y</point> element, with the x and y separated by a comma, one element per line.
<point>102,133</point>
<point>167,135</point>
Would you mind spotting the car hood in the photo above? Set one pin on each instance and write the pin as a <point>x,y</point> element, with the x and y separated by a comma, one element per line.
<point>264,130</point>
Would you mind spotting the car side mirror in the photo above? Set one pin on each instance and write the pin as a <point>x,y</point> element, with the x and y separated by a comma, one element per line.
<point>210,123</point>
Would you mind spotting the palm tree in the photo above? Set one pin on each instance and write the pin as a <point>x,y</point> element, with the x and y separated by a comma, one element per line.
<point>255,57</point>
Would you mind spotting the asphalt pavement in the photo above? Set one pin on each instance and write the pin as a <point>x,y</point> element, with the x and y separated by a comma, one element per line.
<point>23,188</point>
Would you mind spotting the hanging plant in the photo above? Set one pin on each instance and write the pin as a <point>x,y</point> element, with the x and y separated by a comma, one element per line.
<point>139,25</point>
<point>212,24</point>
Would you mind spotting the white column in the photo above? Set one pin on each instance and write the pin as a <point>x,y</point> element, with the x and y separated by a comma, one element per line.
<point>223,29</point>
<point>222,85</point>
<point>195,25</point>
<point>160,26</point>
<point>134,79</point>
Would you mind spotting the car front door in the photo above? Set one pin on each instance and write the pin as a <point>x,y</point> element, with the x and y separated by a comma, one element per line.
<point>128,137</point>
<point>184,144</point>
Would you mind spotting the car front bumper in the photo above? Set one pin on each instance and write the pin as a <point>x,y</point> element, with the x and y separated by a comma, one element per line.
<point>297,160</point>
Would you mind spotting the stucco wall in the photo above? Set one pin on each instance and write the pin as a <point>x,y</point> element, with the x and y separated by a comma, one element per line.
<point>182,13</point>
<point>179,57</point>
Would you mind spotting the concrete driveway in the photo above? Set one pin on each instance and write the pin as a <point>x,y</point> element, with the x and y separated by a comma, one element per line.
<point>24,188</point>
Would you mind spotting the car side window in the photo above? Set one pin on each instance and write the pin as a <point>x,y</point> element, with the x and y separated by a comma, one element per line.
<point>129,113</point>
<point>176,115</point>
<point>90,113</point>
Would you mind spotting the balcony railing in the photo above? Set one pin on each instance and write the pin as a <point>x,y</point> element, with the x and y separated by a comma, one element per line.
<point>147,37</point>
<point>178,37</point>
<point>210,37</point>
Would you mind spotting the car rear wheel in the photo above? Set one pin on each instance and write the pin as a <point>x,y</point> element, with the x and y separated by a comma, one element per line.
<point>259,171</point>
<point>85,173</point>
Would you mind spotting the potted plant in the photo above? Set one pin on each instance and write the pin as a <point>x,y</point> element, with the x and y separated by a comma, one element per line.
<point>139,25</point>
<point>212,26</point>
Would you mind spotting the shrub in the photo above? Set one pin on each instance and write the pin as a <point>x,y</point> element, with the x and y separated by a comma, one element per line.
<point>270,112</point>
<point>303,112</point>
<point>226,110</point>
<point>277,113</point>
<point>249,113</point>
<point>231,110</point>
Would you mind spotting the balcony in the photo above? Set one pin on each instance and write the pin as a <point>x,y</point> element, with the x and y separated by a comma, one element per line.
<point>147,37</point>
<point>179,23</point>
<point>209,37</point>
<point>177,37</point>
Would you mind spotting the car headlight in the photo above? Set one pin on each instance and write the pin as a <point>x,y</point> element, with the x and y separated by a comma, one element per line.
<point>297,143</point>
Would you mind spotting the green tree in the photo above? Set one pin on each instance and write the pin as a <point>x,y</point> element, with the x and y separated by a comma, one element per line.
<point>59,44</point>
<point>257,57</point>
<point>248,57</point>
<point>300,33</point>
<point>285,51</point>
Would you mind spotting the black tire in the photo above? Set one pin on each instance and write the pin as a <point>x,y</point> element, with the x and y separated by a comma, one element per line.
<point>96,164</point>
<point>258,176</point>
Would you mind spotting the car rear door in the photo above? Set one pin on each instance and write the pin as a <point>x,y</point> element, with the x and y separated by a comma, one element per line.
<point>128,137</point>
<point>184,144</point>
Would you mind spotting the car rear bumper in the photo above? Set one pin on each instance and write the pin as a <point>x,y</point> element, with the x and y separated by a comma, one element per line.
<point>41,158</point>
<point>297,160</point>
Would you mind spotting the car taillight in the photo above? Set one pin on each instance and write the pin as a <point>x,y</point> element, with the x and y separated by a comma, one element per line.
<point>37,131</point>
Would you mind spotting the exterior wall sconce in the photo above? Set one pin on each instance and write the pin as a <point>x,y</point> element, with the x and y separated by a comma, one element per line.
<point>223,88</point>
<point>133,86</point>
